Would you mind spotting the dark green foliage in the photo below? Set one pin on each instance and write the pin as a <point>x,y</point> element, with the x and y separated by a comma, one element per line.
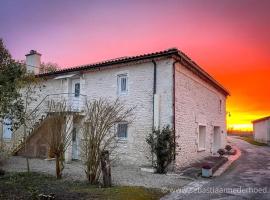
<point>162,145</point>
<point>11,72</point>
<point>228,147</point>
<point>221,152</point>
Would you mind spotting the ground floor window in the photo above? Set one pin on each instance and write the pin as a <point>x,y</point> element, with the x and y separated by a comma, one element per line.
<point>202,137</point>
<point>122,130</point>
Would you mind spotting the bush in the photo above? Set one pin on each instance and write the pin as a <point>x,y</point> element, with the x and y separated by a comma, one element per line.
<point>228,147</point>
<point>221,152</point>
<point>162,145</point>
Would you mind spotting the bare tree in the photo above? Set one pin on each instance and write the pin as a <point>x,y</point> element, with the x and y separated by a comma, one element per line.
<point>48,67</point>
<point>60,119</point>
<point>32,87</point>
<point>98,132</point>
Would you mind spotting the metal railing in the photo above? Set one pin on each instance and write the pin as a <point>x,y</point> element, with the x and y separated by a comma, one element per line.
<point>36,116</point>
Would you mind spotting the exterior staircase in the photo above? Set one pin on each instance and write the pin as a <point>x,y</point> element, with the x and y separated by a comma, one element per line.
<point>38,115</point>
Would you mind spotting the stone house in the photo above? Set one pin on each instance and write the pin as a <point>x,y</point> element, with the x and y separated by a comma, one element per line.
<point>261,129</point>
<point>167,88</point>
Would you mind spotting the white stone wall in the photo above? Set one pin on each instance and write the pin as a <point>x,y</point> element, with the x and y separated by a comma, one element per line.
<point>196,103</point>
<point>103,83</point>
<point>140,95</point>
<point>262,131</point>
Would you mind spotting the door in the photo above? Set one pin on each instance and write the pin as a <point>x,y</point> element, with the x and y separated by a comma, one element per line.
<point>216,139</point>
<point>76,91</point>
<point>74,145</point>
<point>7,129</point>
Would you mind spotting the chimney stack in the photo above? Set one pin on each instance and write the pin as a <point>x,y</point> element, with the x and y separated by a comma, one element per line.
<point>33,62</point>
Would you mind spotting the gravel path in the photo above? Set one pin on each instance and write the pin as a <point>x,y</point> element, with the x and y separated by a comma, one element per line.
<point>121,175</point>
<point>247,178</point>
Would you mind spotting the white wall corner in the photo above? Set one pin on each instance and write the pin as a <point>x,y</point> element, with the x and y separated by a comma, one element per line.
<point>156,111</point>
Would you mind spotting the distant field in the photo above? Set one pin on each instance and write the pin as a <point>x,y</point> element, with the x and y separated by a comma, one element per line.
<point>240,133</point>
<point>252,141</point>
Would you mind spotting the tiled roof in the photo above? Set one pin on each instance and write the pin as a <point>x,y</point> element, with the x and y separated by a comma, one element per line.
<point>150,56</point>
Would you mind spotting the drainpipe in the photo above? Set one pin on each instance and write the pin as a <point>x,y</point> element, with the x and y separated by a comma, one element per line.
<point>174,68</point>
<point>154,90</point>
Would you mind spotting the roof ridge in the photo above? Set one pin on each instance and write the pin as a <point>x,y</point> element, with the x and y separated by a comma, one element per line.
<point>173,49</point>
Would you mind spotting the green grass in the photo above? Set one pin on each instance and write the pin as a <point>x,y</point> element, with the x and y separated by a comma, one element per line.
<point>252,141</point>
<point>29,186</point>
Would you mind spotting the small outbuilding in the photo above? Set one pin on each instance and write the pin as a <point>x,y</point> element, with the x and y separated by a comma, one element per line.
<point>261,128</point>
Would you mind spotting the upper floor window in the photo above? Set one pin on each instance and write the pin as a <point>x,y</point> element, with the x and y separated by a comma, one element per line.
<point>122,84</point>
<point>122,130</point>
<point>220,106</point>
<point>77,89</point>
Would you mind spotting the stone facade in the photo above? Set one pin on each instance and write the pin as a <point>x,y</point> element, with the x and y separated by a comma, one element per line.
<point>134,149</point>
<point>181,95</point>
<point>196,103</point>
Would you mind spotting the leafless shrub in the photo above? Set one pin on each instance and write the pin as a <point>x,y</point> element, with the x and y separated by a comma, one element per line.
<point>98,132</point>
<point>59,127</point>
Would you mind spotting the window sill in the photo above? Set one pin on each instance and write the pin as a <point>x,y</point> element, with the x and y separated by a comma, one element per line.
<point>123,94</point>
<point>201,149</point>
<point>122,140</point>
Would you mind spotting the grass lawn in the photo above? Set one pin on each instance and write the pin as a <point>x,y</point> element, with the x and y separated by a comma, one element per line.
<point>252,141</point>
<point>29,186</point>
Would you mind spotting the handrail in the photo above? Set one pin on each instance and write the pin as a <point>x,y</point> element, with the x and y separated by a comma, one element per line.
<point>36,109</point>
<point>51,95</point>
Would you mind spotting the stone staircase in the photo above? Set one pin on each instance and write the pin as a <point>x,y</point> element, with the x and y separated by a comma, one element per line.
<point>39,114</point>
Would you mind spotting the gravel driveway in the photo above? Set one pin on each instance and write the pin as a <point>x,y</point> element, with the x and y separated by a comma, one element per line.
<point>121,175</point>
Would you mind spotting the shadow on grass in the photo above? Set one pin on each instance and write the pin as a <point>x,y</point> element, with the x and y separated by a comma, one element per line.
<point>31,185</point>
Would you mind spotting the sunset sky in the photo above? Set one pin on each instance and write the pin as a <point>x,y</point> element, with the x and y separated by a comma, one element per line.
<point>230,39</point>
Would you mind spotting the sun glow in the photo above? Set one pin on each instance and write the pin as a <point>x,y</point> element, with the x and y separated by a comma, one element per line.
<point>240,127</point>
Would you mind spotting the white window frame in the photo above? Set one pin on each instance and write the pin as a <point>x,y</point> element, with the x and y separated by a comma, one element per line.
<point>203,147</point>
<point>122,123</point>
<point>119,86</point>
<point>77,93</point>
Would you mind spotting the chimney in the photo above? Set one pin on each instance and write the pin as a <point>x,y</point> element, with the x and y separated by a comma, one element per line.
<point>33,62</point>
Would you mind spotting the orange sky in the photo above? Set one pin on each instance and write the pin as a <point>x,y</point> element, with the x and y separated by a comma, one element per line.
<point>228,38</point>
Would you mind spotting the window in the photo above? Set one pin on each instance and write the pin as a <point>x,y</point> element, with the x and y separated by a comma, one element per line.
<point>201,138</point>
<point>122,84</point>
<point>122,130</point>
<point>77,89</point>
<point>220,105</point>
<point>7,131</point>
<point>74,135</point>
